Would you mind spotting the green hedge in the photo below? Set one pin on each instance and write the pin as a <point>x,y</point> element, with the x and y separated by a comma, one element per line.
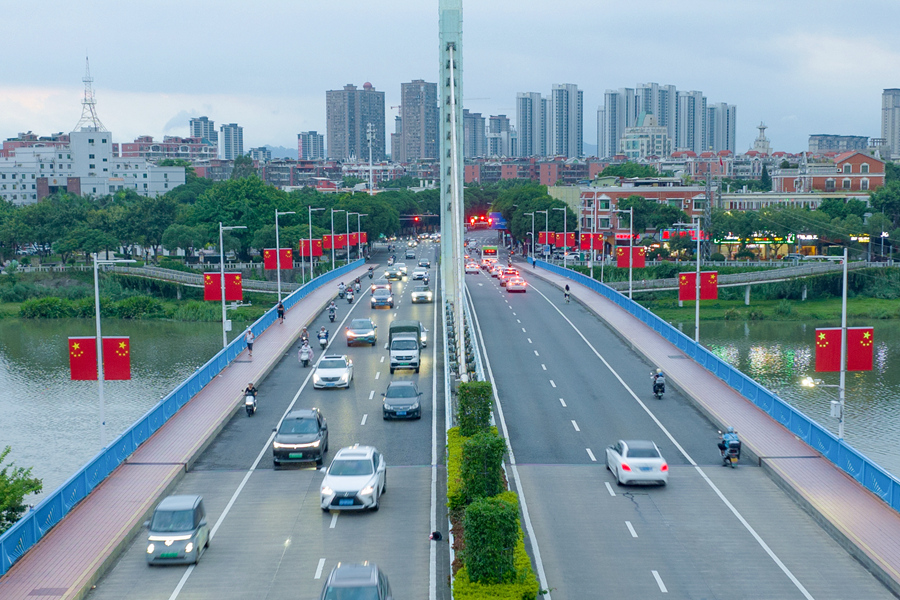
<point>482,465</point>
<point>474,410</point>
<point>491,528</point>
<point>456,495</point>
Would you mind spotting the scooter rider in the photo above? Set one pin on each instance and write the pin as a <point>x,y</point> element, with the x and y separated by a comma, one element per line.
<point>341,288</point>
<point>728,437</point>
<point>323,334</point>
<point>250,390</point>
<point>305,353</point>
<point>304,335</point>
<point>659,381</point>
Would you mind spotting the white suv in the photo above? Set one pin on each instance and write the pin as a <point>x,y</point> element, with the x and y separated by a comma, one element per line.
<point>355,480</point>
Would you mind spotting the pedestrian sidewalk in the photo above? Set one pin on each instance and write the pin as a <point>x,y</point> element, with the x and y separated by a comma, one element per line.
<point>861,522</point>
<point>76,553</point>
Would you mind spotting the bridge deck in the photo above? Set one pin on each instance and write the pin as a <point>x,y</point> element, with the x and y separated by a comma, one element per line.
<point>867,527</point>
<point>72,556</point>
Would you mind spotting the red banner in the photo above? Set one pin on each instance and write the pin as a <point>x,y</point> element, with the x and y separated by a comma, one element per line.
<point>363,237</point>
<point>546,237</point>
<point>116,359</point>
<point>709,285</point>
<point>354,239</point>
<point>316,248</point>
<point>586,241</point>
<point>212,287</point>
<point>860,348</point>
<point>340,241</point>
<point>638,257</point>
<point>83,358</point>
<point>565,239</point>
<point>270,259</point>
<point>687,285</point>
<point>828,349</point>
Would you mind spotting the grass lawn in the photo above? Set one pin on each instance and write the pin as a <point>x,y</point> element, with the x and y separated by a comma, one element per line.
<point>774,310</point>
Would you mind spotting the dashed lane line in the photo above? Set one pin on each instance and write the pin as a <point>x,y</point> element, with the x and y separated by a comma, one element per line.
<point>563,402</point>
<point>363,422</point>
<point>631,529</point>
<point>575,425</point>
<point>609,489</point>
<point>659,582</point>
<point>553,383</point>
<point>591,454</point>
<point>320,567</point>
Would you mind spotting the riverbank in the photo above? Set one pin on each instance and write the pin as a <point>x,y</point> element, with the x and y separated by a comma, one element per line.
<point>826,310</point>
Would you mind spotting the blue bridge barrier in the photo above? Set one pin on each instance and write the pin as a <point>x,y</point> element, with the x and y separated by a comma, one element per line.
<point>865,471</point>
<point>28,530</point>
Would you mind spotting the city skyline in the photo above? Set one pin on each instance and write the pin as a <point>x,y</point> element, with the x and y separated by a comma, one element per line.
<point>761,57</point>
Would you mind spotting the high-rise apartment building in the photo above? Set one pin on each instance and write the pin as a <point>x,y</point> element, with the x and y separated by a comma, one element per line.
<point>820,143</point>
<point>474,134</point>
<point>532,124</point>
<point>203,128</point>
<point>261,154</point>
<point>690,124</point>
<point>721,127</point>
<point>232,144</point>
<point>419,121</point>
<point>500,136</point>
<point>310,145</point>
<point>348,113</point>
<point>567,122</point>
<point>890,120</point>
<point>661,101</point>
<point>619,112</point>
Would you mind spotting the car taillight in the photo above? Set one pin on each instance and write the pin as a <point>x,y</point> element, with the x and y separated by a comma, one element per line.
<point>625,467</point>
<point>665,467</point>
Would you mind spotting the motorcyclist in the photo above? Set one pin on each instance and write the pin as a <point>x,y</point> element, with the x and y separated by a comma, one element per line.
<point>357,286</point>
<point>566,293</point>
<point>349,296</point>
<point>729,436</point>
<point>659,381</point>
<point>323,334</point>
<point>251,390</point>
<point>371,272</point>
<point>305,350</point>
<point>341,288</point>
<point>304,335</point>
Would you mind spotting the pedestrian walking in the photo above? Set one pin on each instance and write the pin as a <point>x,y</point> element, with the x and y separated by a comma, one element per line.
<point>280,309</point>
<point>249,337</point>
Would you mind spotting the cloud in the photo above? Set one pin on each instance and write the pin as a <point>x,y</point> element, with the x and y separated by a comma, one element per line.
<point>180,120</point>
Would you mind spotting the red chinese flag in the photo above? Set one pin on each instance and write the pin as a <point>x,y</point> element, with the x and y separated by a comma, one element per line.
<point>354,239</point>
<point>83,358</point>
<point>116,359</point>
<point>687,286</point>
<point>860,350</point>
<point>317,247</point>
<point>326,242</point>
<point>828,349</point>
<point>270,259</point>
<point>622,258</point>
<point>287,258</point>
<point>363,237</point>
<point>638,257</point>
<point>709,285</point>
<point>340,241</point>
<point>212,286</point>
<point>584,241</point>
<point>544,237</point>
<point>234,289</point>
<point>304,247</point>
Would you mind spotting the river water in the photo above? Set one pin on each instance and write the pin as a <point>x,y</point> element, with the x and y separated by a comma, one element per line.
<point>779,354</point>
<point>51,422</point>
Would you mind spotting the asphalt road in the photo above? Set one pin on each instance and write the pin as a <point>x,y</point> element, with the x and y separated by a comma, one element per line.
<point>711,533</point>
<point>274,541</point>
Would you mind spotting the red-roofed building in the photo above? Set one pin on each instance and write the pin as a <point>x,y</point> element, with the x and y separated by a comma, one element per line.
<point>852,171</point>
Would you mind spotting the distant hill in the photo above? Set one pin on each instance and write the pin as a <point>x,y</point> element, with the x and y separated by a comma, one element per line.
<point>282,152</point>
<point>590,149</point>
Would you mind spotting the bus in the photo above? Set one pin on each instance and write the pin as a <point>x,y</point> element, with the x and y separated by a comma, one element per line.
<point>489,252</point>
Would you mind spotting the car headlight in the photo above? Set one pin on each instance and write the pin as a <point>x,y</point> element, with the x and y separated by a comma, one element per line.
<point>327,491</point>
<point>189,548</point>
<point>345,376</point>
<point>150,548</point>
<point>316,377</point>
<point>314,444</point>
<point>367,491</point>
<point>415,405</point>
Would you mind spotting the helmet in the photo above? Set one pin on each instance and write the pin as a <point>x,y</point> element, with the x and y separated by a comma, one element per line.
<point>730,430</point>
<point>659,371</point>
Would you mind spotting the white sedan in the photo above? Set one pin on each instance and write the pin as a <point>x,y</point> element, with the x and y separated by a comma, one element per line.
<point>637,461</point>
<point>515,284</point>
<point>472,268</point>
<point>355,480</point>
<point>333,371</point>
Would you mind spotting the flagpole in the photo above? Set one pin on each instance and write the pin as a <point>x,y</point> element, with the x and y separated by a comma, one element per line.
<point>843,348</point>
<point>278,249</point>
<point>697,300</point>
<point>630,248</point>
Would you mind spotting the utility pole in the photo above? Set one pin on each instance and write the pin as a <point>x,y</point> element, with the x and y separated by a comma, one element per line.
<point>370,136</point>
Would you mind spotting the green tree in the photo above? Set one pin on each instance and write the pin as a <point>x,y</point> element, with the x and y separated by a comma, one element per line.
<point>887,199</point>
<point>15,484</point>
<point>629,169</point>
<point>349,182</point>
<point>407,181</point>
<point>243,167</point>
<point>765,181</point>
<point>153,216</point>
<point>182,236</point>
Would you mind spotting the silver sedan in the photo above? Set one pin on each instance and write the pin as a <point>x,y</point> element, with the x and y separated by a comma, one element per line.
<point>637,461</point>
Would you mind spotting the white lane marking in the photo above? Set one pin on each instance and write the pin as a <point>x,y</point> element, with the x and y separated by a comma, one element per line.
<point>480,284</point>
<point>659,582</point>
<point>363,422</point>
<point>433,516</point>
<point>514,313</point>
<point>563,402</point>
<point>321,565</point>
<point>536,353</point>
<point>687,456</point>
<point>509,307</point>
<point>553,383</point>
<point>385,347</point>
<point>523,330</point>
<point>543,366</point>
<point>382,359</point>
<point>518,321</point>
<point>529,341</point>
<point>378,374</point>
<point>575,425</point>
<point>591,454</point>
<point>609,489</point>
<point>523,504</point>
<point>371,394</point>
<point>628,525</point>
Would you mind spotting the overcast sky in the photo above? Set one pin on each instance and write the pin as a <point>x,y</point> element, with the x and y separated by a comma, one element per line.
<point>800,66</point>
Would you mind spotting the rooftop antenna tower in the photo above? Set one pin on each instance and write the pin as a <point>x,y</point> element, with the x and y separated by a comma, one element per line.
<point>89,119</point>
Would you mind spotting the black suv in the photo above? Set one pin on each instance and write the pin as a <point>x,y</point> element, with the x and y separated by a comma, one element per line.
<point>301,437</point>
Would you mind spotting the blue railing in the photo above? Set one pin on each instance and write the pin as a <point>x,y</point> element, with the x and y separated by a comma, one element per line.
<point>28,530</point>
<point>851,461</point>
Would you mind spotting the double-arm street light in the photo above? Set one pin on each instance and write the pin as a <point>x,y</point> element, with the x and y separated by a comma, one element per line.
<point>225,322</point>
<point>565,230</point>
<point>531,214</point>
<point>696,226</point>
<point>278,248</point>
<point>311,272</point>
<point>358,232</point>
<point>334,210</point>
<point>546,224</point>
<point>630,212</point>
<point>97,262</point>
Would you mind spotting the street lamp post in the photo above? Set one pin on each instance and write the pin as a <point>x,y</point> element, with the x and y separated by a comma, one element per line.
<point>347,232</point>
<point>333,210</point>
<point>697,282</point>
<point>630,212</point>
<point>546,224</point>
<point>311,273</point>
<point>565,231</point>
<point>359,234</point>
<point>97,262</point>
<point>531,214</point>
<point>222,228</point>
<point>278,248</point>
